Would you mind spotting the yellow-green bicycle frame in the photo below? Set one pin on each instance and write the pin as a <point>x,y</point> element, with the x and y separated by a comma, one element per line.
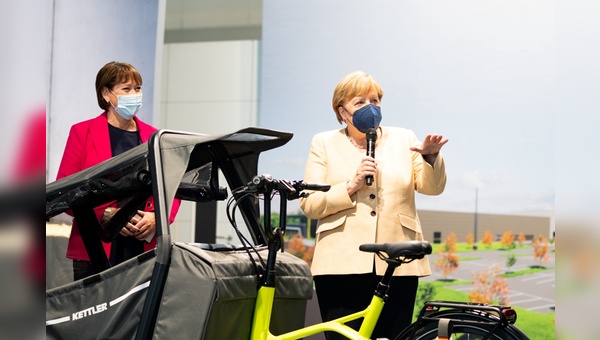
<point>266,293</point>
<point>264,307</point>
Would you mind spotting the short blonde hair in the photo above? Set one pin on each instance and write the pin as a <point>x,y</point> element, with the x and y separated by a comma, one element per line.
<point>354,84</point>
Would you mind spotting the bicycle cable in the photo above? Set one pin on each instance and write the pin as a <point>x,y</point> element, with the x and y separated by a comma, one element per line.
<point>232,205</point>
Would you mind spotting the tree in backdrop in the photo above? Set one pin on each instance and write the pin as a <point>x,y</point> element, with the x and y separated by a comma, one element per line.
<point>541,246</point>
<point>274,219</point>
<point>490,287</point>
<point>470,240</point>
<point>294,244</point>
<point>488,238</point>
<point>447,261</point>
<point>508,243</point>
<point>508,240</point>
<point>511,260</point>
<point>521,238</point>
<point>297,247</point>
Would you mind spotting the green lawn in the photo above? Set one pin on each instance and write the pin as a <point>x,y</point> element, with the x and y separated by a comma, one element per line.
<point>534,325</point>
<point>469,258</point>
<point>526,271</point>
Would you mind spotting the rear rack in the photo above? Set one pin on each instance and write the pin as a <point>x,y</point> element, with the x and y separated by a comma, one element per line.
<point>504,315</point>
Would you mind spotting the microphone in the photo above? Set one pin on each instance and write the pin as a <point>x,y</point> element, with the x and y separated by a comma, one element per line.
<point>371,138</point>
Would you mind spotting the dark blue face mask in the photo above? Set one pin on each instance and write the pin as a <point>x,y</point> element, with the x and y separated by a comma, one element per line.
<point>367,117</point>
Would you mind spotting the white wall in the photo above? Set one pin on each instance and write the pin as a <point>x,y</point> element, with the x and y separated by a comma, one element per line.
<point>85,36</point>
<point>23,66</point>
<point>212,88</point>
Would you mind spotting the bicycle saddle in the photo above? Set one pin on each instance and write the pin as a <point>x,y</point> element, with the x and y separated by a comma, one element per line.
<point>407,249</point>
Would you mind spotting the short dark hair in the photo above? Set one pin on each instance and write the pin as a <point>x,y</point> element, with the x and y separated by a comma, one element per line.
<point>112,74</point>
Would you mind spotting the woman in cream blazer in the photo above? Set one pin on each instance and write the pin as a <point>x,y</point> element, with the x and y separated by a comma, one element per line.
<point>352,213</point>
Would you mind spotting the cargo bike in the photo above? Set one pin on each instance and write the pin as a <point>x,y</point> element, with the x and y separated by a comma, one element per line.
<point>253,290</point>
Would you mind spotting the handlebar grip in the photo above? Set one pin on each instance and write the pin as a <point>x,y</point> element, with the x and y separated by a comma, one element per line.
<point>316,186</point>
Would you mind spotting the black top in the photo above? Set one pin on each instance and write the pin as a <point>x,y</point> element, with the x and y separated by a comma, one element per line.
<point>122,140</point>
<point>123,248</point>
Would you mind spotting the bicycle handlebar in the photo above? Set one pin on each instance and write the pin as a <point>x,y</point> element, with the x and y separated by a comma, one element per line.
<point>262,184</point>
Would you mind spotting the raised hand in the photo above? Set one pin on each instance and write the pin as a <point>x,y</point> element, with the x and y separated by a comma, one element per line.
<point>432,144</point>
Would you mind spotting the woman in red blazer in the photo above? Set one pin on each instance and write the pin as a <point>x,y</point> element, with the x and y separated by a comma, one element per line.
<point>117,129</point>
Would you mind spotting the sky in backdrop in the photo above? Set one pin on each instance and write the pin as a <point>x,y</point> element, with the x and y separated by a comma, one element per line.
<point>482,73</point>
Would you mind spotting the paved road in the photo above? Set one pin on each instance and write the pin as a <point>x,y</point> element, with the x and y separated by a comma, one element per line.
<point>534,292</point>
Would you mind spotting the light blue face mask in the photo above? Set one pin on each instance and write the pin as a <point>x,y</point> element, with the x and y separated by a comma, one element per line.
<point>128,104</point>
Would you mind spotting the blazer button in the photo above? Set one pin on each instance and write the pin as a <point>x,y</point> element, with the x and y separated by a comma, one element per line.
<point>373,213</point>
<point>372,196</point>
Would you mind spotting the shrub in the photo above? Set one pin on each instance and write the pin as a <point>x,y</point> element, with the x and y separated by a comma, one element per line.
<point>425,293</point>
<point>511,259</point>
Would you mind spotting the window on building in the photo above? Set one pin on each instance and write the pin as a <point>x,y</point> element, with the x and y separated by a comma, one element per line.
<point>437,237</point>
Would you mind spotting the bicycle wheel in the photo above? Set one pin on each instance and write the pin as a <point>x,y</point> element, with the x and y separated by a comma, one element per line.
<point>466,326</point>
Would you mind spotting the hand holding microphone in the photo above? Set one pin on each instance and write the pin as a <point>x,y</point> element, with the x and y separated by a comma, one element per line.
<point>371,138</point>
<point>367,167</point>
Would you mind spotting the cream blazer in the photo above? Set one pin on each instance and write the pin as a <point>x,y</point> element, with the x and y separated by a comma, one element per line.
<point>383,212</point>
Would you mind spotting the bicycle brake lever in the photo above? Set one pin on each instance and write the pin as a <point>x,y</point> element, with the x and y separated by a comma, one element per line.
<point>287,188</point>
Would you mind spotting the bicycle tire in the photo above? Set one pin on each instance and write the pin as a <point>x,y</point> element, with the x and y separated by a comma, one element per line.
<point>428,330</point>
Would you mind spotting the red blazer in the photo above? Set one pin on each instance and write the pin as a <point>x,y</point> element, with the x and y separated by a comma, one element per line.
<point>89,144</point>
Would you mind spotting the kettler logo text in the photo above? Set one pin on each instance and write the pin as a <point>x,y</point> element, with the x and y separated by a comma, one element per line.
<point>98,308</point>
<point>90,311</point>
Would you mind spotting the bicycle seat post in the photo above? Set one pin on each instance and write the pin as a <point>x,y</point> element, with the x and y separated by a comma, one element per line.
<point>384,285</point>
